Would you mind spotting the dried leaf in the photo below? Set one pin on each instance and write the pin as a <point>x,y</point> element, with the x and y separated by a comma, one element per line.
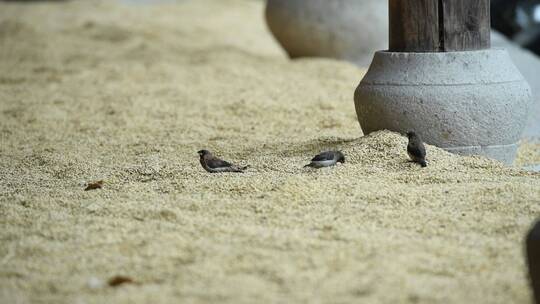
<point>94,185</point>
<point>120,280</point>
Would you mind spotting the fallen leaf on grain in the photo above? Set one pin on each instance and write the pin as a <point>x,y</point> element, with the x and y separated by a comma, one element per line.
<point>119,280</point>
<point>94,185</point>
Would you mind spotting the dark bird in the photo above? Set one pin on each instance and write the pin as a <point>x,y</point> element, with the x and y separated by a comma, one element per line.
<point>213,164</point>
<point>416,149</point>
<point>533,258</point>
<point>326,159</point>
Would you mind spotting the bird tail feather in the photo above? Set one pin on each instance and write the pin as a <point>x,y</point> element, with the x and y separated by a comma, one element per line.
<point>240,169</point>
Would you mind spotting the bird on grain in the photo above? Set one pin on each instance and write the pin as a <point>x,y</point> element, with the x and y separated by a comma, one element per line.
<point>326,159</point>
<point>416,149</point>
<point>213,164</point>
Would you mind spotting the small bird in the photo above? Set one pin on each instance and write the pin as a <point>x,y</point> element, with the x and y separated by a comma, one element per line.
<point>213,164</point>
<point>416,149</point>
<point>533,258</point>
<point>326,159</point>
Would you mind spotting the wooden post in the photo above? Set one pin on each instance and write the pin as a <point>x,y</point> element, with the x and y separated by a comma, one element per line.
<point>439,25</point>
<point>533,257</point>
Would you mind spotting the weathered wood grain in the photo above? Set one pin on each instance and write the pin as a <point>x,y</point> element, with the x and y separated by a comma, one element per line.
<point>414,25</point>
<point>439,25</point>
<point>466,25</point>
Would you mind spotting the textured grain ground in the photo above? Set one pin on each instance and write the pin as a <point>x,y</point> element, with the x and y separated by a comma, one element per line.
<point>128,94</point>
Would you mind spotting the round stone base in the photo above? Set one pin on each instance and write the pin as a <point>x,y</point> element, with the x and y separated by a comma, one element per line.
<point>473,102</point>
<point>342,29</point>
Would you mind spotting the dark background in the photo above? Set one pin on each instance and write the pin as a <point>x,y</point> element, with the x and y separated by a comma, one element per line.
<point>519,20</point>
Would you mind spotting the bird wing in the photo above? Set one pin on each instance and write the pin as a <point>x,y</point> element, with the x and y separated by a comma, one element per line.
<point>418,151</point>
<point>217,163</point>
<point>328,155</point>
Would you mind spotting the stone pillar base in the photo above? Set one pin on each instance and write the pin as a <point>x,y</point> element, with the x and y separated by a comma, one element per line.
<point>342,29</point>
<point>473,102</point>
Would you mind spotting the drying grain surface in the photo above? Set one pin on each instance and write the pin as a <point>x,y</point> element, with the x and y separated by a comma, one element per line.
<point>93,91</point>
